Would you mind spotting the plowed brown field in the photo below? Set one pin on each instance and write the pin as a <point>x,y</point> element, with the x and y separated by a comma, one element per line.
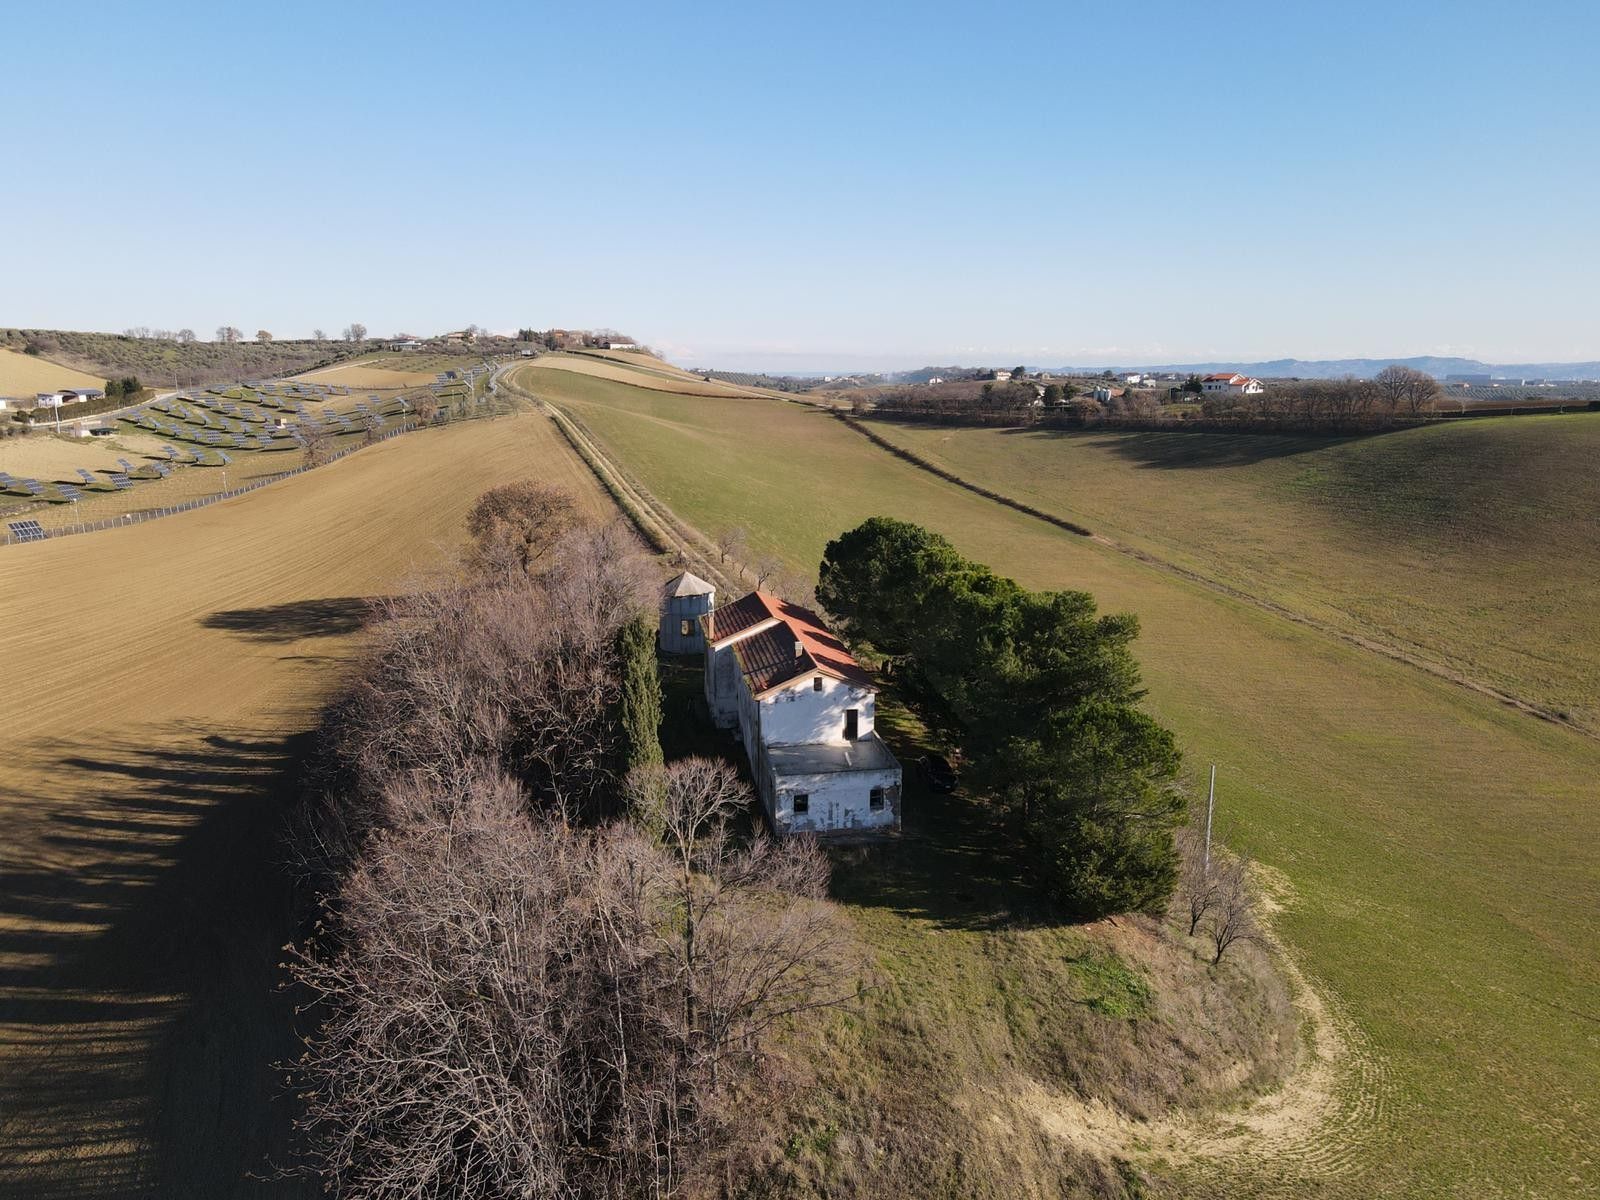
<point>155,679</point>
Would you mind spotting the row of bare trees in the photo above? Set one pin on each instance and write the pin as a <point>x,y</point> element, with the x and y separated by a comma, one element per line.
<point>1396,395</point>
<point>535,975</point>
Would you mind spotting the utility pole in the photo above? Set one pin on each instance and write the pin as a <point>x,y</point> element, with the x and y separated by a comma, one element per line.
<point>1211,804</point>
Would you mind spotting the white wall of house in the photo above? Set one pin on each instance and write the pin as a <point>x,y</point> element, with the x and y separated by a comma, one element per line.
<point>835,800</point>
<point>801,713</point>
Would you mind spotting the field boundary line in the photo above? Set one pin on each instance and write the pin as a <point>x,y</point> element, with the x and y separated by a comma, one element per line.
<point>1383,649</point>
<point>661,528</point>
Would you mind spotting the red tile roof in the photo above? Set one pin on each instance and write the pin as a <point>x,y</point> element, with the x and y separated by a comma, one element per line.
<point>798,645</point>
<point>732,619</point>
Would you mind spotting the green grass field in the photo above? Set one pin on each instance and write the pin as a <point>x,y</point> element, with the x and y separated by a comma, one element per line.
<point>1440,848</point>
<point>1471,544</point>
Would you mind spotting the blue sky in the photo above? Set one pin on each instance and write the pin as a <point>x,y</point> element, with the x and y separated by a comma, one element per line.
<point>814,186</point>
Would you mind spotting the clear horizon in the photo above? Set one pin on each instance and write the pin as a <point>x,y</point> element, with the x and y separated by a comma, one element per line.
<point>902,187</point>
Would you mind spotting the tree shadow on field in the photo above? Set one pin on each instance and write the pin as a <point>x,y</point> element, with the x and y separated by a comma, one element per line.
<point>140,931</point>
<point>1172,450</point>
<point>950,866</point>
<point>333,616</point>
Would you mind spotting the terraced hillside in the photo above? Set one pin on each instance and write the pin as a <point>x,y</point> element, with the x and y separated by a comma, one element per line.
<point>156,679</point>
<point>252,433</point>
<point>1437,850</point>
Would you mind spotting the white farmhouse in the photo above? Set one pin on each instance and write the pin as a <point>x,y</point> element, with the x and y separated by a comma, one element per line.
<point>1231,384</point>
<point>805,710</point>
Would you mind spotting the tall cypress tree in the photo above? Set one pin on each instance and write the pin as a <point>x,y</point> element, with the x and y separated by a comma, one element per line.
<point>641,695</point>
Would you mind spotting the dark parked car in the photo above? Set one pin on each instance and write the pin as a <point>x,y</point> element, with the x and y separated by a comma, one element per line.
<point>941,776</point>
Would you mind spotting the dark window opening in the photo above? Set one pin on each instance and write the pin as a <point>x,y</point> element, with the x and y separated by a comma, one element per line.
<point>816,684</point>
<point>852,724</point>
<point>875,799</point>
<point>802,802</point>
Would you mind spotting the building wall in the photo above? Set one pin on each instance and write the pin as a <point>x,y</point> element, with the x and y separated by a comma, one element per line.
<point>799,714</point>
<point>675,610</point>
<point>722,679</point>
<point>838,800</point>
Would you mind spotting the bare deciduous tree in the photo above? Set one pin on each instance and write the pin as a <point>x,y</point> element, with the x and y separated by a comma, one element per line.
<point>228,334</point>
<point>768,567</point>
<point>1232,918</point>
<point>513,525</point>
<point>319,335</point>
<point>319,444</point>
<point>263,335</point>
<point>355,332</point>
<point>731,543</point>
<point>1197,886</point>
<point>1405,389</point>
<point>185,336</point>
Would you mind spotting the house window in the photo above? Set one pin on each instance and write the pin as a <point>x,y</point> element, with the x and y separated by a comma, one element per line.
<point>802,803</point>
<point>852,724</point>
<point>875,799</point>
<point>683,627</point>
<point>816,684</point>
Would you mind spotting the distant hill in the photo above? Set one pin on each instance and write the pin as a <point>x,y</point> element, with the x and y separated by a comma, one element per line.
<point>1365,368</point>
<point>160,362</point>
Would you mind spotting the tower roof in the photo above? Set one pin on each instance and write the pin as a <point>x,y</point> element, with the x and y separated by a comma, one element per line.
<point>687,585</point>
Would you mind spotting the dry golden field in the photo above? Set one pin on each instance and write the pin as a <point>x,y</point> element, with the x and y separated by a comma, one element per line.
<point>156,679</point>
<point>49,457</point>
<point>21,375</point>
<point>647,372</point>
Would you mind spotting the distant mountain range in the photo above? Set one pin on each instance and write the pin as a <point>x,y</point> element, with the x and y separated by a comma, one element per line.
<point>1364,368</point>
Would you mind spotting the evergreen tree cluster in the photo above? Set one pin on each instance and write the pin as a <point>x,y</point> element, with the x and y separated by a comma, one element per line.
<point>1042,694</point>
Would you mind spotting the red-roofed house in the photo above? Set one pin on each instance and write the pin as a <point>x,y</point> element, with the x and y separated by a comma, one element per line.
<point>805,710</point>
<point>1232,383</point>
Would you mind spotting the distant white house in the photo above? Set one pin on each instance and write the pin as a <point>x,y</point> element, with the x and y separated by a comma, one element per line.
<point>622,345</point>
<point>805,710</point>
<point>1231,384</point>
<point>1136,378</point>
<point>935,379</point>
<point>5,403</point>
<point>405,343</point>
<point>1002,376</point>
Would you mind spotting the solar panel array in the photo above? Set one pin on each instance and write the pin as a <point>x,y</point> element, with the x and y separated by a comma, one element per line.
<point>28,531</point>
